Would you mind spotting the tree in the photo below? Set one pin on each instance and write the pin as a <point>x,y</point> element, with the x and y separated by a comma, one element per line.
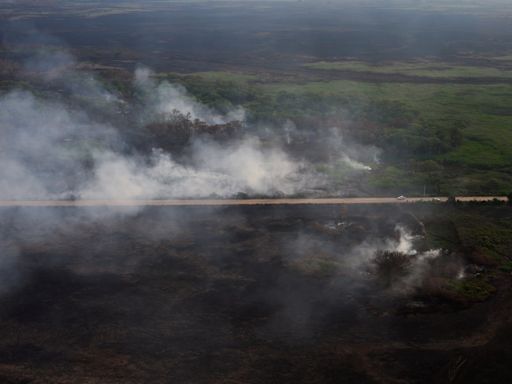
<point>455,137</point>
<point>452,200</point>
<point>391,266</point>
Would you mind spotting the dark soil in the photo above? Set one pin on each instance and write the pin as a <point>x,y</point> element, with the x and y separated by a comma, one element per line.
<point>208,295</point>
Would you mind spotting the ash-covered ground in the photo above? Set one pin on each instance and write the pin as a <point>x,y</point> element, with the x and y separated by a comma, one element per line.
<point>244,295</point>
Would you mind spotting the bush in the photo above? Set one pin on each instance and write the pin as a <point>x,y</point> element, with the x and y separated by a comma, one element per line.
<point>391,266</point>
<point>452,200</point>
<point>474,289</point>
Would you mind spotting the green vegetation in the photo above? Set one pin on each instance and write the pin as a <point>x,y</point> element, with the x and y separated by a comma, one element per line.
<point>506,267</point>
<point>416,68</point>
<point>492,237</point>
<point>442,234</point>
<point>473,289</point>
<point>436,138</point>
<point>483,232</point>
<point>448,138</point>
<point>317,265</point>
<point>482,235</point>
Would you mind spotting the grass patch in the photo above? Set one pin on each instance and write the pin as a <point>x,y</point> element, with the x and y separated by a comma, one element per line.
<point>319,266</point>
<point>418,68</point>
<point>479,232</point>
<point>506,266</point>
<point>473,289</point>
<point>442,234</point>
<point>415,123</point>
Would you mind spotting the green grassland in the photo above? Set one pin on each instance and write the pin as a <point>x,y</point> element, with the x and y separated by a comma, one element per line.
<point>438,137</point>
<point>417,68</point>
<point>452,137</point>
<point>480,232</point>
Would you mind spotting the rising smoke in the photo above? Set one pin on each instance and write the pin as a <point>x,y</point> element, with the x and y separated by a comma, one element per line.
<point>52,148</point>
<point>163,99</point>
<point>71,142</point>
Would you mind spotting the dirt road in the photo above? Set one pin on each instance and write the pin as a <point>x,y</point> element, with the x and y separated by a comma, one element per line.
<point>234,202</point>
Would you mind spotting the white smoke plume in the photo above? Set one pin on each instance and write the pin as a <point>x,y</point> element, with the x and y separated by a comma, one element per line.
<point>352,154</point>
<point>52,148</point>
<point>406,244</point>
<point>356,264</point>
<point>162,99</point>
<point>216,171</point>
<point>49,149</point>
<point>354,164</point>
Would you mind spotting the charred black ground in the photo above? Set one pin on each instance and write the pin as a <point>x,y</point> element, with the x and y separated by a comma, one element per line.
<point>247,294</point>
<point>162,99</point>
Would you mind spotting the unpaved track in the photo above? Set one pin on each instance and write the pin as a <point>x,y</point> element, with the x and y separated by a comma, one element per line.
<point>233,202</point>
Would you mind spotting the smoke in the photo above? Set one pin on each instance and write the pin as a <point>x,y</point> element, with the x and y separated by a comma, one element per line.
<point>214,171</point>
<point>46,147</point>
<point>162,99</point>
<point>49,149</point>
<point>419,262</point>
<point>404,246</point>
<point>57,68</point>
<point>405,243</point>
<point>290,129</point>
<point>338,258</point>
<point>49,65</point>
<point>354,164</point>
<point>54,150</point>
<point>261,170</point>
<point>353,154</point>
<point>63,143</point>
<point>72,139</point>
<point>350,254</point>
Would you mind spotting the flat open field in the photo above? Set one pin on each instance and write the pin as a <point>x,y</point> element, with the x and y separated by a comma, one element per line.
<point>429,85</point>
<point>206,192</point>
<point>249,294</point>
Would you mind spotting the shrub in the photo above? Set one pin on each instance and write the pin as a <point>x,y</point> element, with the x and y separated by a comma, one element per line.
<point>391,266</point>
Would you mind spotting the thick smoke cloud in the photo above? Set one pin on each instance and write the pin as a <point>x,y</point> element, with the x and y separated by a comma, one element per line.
<point>44,145</point>
<point>70,141</point>
<point>53,149</point>
<point>49,150</point>
<point>216,171</point>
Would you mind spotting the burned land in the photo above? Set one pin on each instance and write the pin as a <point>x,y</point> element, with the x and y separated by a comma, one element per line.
<point>303,294</point>
<point>154,100</point>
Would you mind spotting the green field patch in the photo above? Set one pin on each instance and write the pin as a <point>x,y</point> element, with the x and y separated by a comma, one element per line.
<point>474,288</point>
<point>416,68</point>
<point>477,153</point>
<point>478,232</point>
<point>415,123</point>
<point>442,234</point>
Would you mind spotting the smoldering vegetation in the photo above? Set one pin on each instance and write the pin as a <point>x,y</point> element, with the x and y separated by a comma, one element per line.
<point>202,295</point>
<point>247,294</point>
<point>74,137</point>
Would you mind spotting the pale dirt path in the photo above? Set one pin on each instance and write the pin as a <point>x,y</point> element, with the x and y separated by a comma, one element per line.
<point>233,202</point>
